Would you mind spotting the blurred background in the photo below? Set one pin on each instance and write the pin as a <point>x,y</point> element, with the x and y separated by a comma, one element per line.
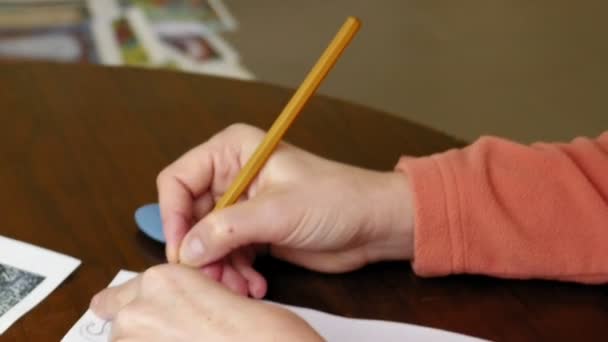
<point>525,70</point>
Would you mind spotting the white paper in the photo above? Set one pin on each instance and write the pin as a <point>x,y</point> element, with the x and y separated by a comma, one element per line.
<point>332,328</point>
<point>91,328</point>
<point>337,328</point>
<point>109,8</point>
<point>28,274</point>
<point>216,68</point>
<point>223,13</point>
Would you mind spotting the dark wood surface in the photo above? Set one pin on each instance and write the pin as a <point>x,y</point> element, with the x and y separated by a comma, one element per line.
<point>80,148</point>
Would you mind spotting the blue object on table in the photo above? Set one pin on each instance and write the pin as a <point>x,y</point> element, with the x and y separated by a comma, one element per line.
<point>149,221</point>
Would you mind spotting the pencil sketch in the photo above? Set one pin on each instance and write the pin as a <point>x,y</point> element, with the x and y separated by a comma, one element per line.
<point>15,284</point>
<point>95,331</point>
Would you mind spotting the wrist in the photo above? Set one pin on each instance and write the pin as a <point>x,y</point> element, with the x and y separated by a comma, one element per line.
<point>393,213</point>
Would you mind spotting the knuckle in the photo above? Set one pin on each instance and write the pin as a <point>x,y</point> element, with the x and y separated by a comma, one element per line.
<point>245,130</point>
<point>162,177</point>
<point>219,229</point>
<point>239,127</point>
<point>126,319</point>
<point>122,319</point>
<point>154,278</point>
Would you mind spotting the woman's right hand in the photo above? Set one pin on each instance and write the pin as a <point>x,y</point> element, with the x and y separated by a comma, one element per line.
<point>313,212</point>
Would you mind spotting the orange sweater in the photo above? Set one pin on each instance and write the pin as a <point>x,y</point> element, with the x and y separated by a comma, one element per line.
<point>507,210</point>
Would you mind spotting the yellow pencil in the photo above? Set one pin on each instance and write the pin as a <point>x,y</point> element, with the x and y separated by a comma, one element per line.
<point>290,112</point>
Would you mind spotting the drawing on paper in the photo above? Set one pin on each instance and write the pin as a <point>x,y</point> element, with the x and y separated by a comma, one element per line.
<point>15,284</point>
<point>95,331</point>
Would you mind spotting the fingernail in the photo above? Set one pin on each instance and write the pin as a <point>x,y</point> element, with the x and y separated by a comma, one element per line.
<point>175,228</point>
<point>193,251</point>
<point>171,254</point>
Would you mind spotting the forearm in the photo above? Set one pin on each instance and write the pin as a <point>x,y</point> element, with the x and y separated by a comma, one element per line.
<point>515,211</point>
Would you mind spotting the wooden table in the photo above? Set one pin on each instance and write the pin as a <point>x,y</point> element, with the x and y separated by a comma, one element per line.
<point>80,148</point>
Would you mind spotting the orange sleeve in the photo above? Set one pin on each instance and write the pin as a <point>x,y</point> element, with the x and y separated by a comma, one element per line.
<point>508,210</point>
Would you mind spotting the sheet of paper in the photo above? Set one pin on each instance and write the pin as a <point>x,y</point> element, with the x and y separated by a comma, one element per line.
<point>89,327</point>
<point>337,328</point>
<point>27,275</point>
<point>333,328</point>
<point>211,13</point>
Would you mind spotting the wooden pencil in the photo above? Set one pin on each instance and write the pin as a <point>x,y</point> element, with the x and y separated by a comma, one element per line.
<point>290,112</point>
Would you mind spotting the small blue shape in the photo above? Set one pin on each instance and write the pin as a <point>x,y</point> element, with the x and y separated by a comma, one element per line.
<point>149,221</point>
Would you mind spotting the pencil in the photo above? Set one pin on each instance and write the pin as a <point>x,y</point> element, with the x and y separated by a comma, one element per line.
<point>290,112</point>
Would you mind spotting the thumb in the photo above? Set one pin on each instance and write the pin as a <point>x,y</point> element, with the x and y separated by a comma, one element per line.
<point>262,219</point>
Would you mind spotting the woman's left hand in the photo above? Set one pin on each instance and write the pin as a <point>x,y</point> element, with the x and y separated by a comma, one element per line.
<point>178,303</point>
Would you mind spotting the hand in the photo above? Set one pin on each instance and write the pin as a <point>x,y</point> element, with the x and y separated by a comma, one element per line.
<point>178,303</point>
<point>310,211</point>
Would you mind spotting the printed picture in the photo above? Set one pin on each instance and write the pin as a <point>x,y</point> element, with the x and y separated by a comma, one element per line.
<point>15,284</point>
<point>131,50</point>
<point>193,45</point>
<point>212,13</point>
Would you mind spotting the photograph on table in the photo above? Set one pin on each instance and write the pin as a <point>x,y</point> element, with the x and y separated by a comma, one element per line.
<point>196,43</point>
<point>204,53</point>
<point>15,284</point>
<point>28,274</point>
<point>211,13</point>
<point>127,39</point>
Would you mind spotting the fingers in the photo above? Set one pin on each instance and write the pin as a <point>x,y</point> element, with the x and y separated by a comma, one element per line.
<point>209,167</point>
<point>178,185</point>
<point>107,303</point>
<point>175,228</point>
<point>145,309</point>
<point>259,220</point>
<point>214,270</point>
<point>202,206</point>
<point>242,261</point>
<point>234,280</point>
